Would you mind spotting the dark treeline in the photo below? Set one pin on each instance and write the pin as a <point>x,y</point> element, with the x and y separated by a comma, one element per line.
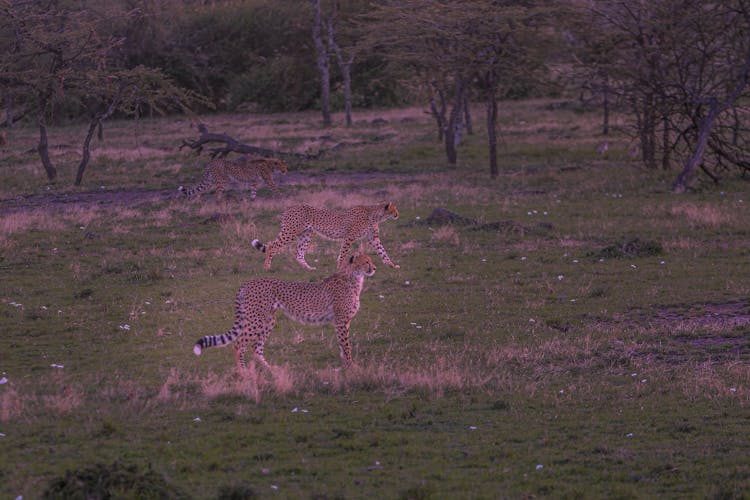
<point>677,68</point>
<point>255,55</point>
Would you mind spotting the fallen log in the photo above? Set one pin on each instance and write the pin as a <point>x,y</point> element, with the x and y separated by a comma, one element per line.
<point>232,145</point>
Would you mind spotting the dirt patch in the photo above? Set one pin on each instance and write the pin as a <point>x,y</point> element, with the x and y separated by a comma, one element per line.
<point>104,197</point>
<point>137,197</point>
<point>725,315</point>
<point>702,333</point>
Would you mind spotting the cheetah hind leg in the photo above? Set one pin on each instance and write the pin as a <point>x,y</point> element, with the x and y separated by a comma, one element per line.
<point>260,337</point>
<point>302,243</point>
<point>247,370</point>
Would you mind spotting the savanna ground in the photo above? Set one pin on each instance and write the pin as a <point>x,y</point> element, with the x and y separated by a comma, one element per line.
<point>588,335</point>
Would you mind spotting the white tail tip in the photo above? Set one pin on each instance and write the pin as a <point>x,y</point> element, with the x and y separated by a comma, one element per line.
<point>197,350</point>
<point>180,189</point>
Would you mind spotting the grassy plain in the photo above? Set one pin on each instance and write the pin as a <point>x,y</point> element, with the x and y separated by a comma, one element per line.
<point>588,336</point>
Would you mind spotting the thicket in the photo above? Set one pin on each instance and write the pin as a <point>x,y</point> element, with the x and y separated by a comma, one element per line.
<point>256,55</point>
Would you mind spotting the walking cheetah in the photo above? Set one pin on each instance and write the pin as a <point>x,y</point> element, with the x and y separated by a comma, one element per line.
<point>333,300</point>
<point>300,221</point>
<point>245,169</point>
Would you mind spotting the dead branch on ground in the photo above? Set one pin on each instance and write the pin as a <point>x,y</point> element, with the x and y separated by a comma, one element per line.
<point>232,145</point>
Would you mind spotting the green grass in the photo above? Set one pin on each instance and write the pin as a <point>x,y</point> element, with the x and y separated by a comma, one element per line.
<point>529,357</point>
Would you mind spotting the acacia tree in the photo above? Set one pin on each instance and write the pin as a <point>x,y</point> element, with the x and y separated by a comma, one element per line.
<point>591,51</point>
<point>493,46</point>
<point>684,68</point>
<point>505,48</point>
<point>417,34</point>
<point>130,92</point>
<point>61,58</point>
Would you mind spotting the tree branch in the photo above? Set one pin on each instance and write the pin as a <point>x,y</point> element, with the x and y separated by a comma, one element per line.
<point>231,145</point>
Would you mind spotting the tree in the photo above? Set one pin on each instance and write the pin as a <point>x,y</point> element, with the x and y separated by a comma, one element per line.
<point>322,63</point>
<point>344,61</point>
<point>493,46</point>
<point>593,51</point>
<point>683,66</point>
<point>62,58</point>
<point>130,92</point>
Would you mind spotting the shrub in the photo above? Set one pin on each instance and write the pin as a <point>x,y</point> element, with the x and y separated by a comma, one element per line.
<point>112,481</point>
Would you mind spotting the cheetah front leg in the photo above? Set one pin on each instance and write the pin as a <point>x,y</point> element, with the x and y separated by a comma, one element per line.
<point>303,241</point>
<point>253,190</point>
<point>345,349</point>
<point>268,179</point>
<point>374,240</point>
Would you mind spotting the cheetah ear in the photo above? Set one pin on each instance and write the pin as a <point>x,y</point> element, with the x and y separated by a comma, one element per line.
<point>387,206</point>
<point>351,259</point>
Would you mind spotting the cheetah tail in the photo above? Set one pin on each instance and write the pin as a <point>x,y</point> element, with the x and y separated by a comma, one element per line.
<point>214,341</point>
<point>261,247</point>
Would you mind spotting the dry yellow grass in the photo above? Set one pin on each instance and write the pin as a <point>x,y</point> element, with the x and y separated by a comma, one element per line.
<point>12,404</point>
<point>445,234</point>
<point>68,399</point>
<point>704,214</point>
<point>17,222</point>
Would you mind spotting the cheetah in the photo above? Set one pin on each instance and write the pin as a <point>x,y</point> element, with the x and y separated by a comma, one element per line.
<point>245,169</point>
<point>301,221</point>
<point>333,300</point>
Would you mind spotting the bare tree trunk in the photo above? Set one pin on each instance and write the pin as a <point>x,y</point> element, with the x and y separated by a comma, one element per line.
<point>467,115</point>
<point>645,119</point>
<point>695,160</point>
<point>453,127</point>
<point>666,155</point>
<point>605,105</point>
<point>42,148</point>
<point>458,126</point>
<point>95,126</point>
<point>345,67</point>
<point>449,139</point>
<point>8,110</point>
<point>86,154</point>
<point>346,70</point>
<point>323,68</point>
<point>438,112</point>
<point>492,129</point>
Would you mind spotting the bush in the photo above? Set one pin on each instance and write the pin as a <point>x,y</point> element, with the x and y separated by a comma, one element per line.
<point>634,247</point>
<point>112,481</point>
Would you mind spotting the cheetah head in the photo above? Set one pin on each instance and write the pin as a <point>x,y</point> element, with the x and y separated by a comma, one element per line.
<point>360,263</point>
<point>389,210</point>
<point>281,166</point>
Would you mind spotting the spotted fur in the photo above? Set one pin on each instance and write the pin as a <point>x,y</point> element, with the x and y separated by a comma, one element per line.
<point>301,221</point>
<point>334,300</point>
<point>245,169</point>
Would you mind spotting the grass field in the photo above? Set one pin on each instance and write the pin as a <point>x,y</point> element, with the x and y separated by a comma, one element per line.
<point>587,335</point>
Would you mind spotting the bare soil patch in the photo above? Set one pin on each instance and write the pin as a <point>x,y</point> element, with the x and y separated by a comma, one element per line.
<point>136,197</point>
<point>697,316</point>
<point>705,333</point>
<point>709,316</point>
